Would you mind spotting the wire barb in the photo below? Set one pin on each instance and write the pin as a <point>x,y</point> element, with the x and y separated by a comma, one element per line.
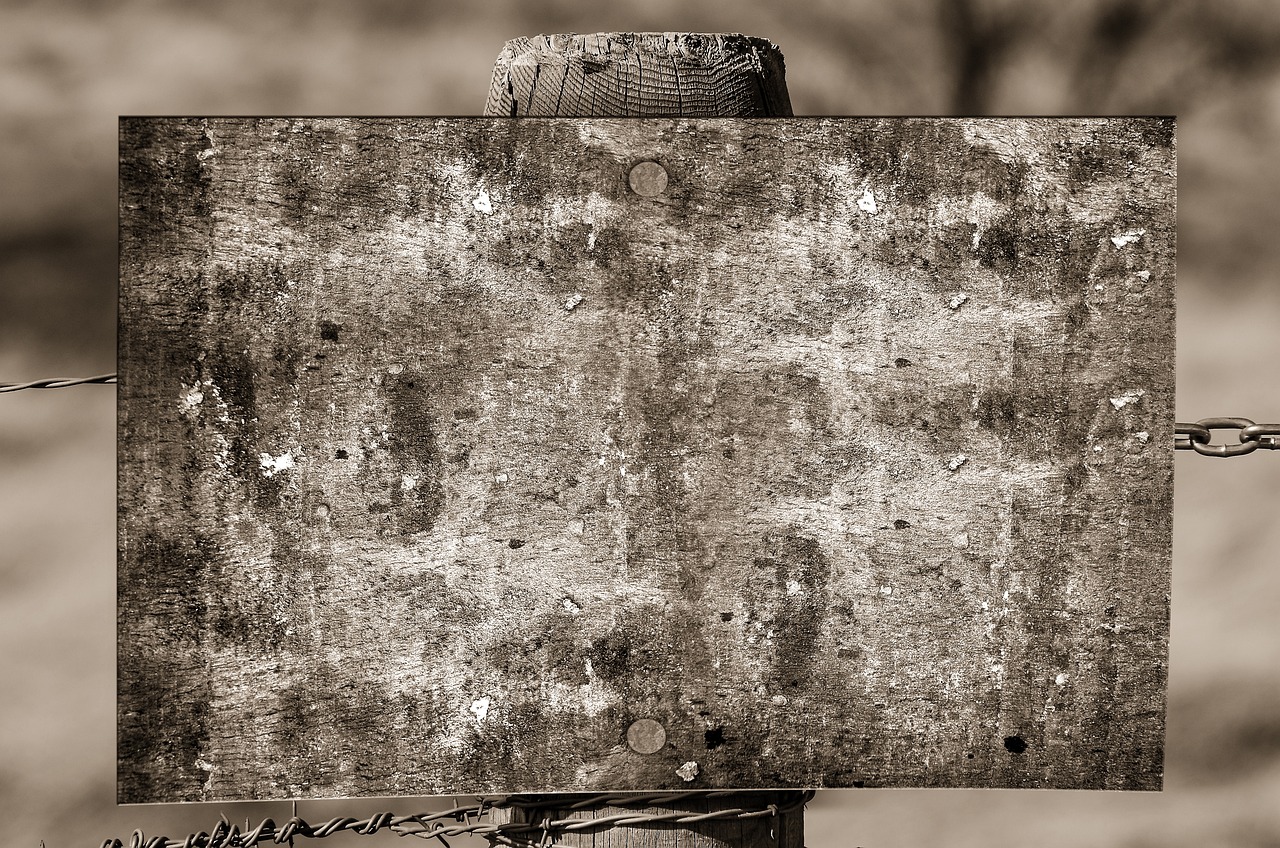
<point>58,383</point>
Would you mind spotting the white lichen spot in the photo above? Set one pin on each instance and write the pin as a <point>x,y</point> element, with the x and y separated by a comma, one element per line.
<point>1127,238</point>
<point>395,368</point>
<point>480,708</point>
<point>591,239</point>
<point>500,477</point>
<point>1142,275</point>
<point>886,590</point>
<point>1097,448</point>
<point>272,465</point>
<point>1099,287</point>
<point>572,303</point>
<point>482,203</point>
<point>778,700</point>
<point>794,588</point>
<point>867,203</point>
<point>1142,436</point>
<point>957,461</point>
<point>204,765</point>
<point>577,527</point>
<point>408,481</point>
<point>190,398</point>
<point>961,540</point>
<point>1126,399</point>
<point>688,771</point>
<point>571,607</point>
<point>1061,680</point>
<point>957,301</point>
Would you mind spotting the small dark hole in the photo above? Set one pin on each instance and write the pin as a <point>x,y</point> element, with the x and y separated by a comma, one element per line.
<point>340,454</point>
<point>726,616</point>
<point>1015,744</point>
<point>901,362</point>
<point>329,331</point>
<point>515,543</point>
<point>858,784</point>
<point>714,737</point>
<point>901,525</point>
<point>970,756</point>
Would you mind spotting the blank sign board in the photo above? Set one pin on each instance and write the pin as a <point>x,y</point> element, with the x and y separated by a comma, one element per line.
<point>490,455</point>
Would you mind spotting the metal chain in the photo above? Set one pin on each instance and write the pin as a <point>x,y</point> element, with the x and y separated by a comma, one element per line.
<point>474,819</point>
<point>1197,436</point>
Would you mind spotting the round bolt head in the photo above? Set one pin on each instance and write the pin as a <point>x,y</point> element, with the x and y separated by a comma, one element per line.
<point>646,736</point>
<point>648,179</point>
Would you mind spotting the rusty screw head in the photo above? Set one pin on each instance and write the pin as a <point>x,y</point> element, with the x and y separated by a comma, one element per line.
<point>646,736</point>
<point>648,179</point>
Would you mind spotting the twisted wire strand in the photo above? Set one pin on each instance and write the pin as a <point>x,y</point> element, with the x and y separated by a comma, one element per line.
<point>58,383</point>
<point>470,819</point>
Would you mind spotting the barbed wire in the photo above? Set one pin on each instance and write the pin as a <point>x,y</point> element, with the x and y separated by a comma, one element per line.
<point>475,820</point>
<point>57,383</point>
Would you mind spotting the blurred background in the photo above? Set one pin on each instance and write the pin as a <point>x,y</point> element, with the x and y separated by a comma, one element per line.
<point>68,69</point>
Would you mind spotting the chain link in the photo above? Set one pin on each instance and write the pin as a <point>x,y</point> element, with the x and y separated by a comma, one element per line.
<point>475,820</point>
<point>1199,436</point>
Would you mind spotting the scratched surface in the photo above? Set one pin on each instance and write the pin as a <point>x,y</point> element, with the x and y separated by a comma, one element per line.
<point>445,456</point>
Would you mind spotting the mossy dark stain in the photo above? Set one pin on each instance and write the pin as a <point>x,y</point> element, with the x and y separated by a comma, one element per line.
<point>789,560</point>
<point>329,331</point>
<point>412,440</point>
<point>998,246</point>
<point>1156,131</point>
<point>164,577</point>
<point>1103,159</point>
<point>997,409</point>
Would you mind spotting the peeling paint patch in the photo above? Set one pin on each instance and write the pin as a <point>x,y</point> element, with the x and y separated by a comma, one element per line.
<point>482,203</point>
<point>867,203</point>
<point>1142,436</point>
<point>957,301</point>
<point>688,771</point>
<point>573,301</point>
<point>571,607</point>
<point>272,465</point>
<point>1061,680</point>
<point>408,481</point>
<point>961,540</point>
<point>1143,275</point>
<point>794,588</point>
<point>1124,400</point>
<point>957,461</point>
<point>480,708</point>
<point>1127,238</point>
<point>591,239</point>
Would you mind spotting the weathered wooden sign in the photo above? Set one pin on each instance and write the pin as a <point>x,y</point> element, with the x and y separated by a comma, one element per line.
<point>468,455</point>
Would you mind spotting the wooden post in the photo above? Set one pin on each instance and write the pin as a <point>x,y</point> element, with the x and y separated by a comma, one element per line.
<point>634,75</point>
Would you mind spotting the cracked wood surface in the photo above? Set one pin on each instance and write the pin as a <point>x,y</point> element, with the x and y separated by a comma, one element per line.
<point>444,456</point>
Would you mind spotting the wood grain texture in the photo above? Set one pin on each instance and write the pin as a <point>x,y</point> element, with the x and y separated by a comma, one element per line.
<point>444,456</point>
<point>623,74</point>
